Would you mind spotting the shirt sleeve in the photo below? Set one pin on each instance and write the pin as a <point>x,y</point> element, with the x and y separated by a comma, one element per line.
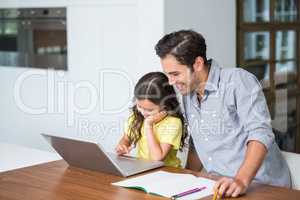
<point>252,109</point>
<point>171,132</point>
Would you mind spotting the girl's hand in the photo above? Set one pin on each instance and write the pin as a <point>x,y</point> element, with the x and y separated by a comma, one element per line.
<point>122,149</point>
<point>151,120</point>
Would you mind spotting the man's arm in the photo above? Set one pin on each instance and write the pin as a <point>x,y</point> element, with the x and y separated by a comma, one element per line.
<point>253,113</point>
<point>255,155</point>
<point>254,158</point>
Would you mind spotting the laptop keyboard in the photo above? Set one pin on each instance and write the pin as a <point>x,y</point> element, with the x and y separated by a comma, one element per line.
<point>125,162</point>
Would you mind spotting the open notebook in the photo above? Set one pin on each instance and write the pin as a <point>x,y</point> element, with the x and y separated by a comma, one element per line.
<point>168,184</point>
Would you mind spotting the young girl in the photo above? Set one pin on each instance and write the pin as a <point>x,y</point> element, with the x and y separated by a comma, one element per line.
<point>156,125</point>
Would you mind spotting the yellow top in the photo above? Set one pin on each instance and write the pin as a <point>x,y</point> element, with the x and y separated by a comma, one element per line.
<point>168,130</point>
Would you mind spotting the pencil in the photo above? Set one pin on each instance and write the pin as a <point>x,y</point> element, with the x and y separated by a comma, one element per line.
<point>215,195</point>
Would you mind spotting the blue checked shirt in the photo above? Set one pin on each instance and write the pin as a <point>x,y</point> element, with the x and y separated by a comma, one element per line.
<point>232,112</point>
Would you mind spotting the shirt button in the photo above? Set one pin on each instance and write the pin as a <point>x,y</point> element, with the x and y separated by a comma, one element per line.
<point>214,115</point>
<point>206,139</point>
<point>192,116</point>
<point>209,158</point>
<point>201,120</point>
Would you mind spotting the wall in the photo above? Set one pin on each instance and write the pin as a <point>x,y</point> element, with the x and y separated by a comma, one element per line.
<point>214,19</point>
<point>110,45</point>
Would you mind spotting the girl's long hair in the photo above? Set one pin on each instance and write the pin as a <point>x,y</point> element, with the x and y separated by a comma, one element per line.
<point>154,87</point>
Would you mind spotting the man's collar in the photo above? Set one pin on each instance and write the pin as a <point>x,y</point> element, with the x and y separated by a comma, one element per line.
<point>212,83</point>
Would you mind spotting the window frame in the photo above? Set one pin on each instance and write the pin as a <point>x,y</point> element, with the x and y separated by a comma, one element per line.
<point>271,27</point>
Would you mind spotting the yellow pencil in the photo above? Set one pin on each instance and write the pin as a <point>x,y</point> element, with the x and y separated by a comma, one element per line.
<point>215,195</point>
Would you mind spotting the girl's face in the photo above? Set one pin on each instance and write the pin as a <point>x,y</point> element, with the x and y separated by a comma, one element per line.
<point>147,108</point>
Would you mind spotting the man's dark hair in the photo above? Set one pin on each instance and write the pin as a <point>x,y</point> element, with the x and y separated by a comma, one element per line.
<point>184,45</point>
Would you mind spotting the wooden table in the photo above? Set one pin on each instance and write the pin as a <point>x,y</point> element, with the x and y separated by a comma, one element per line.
<point>57,180</point>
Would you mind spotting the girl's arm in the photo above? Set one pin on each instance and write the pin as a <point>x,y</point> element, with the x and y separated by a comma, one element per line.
<point>158,151</point>
<point>124,145</point>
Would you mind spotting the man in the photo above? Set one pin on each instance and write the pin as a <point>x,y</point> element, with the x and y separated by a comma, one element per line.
<point>227,116</point>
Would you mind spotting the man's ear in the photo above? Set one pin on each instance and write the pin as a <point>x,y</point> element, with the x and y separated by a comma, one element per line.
<point>198,64</point>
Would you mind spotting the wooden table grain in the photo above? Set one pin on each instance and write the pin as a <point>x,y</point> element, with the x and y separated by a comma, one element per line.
<point>57,180</point>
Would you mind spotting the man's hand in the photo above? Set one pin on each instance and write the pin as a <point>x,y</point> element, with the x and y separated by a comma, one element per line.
<point>255,155</point>
<point>229,187</point>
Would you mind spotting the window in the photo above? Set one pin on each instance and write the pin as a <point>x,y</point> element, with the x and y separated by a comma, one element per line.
<point>268,41</point>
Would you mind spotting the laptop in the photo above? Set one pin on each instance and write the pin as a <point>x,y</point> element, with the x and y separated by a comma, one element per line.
<point>92,156</point>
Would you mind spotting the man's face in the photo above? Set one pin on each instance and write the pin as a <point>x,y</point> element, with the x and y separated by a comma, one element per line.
<point>179,75</point>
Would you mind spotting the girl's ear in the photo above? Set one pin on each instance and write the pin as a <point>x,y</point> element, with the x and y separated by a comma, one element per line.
<point>166,110</point>
<point>163,108</point>
<point>198,64</point>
